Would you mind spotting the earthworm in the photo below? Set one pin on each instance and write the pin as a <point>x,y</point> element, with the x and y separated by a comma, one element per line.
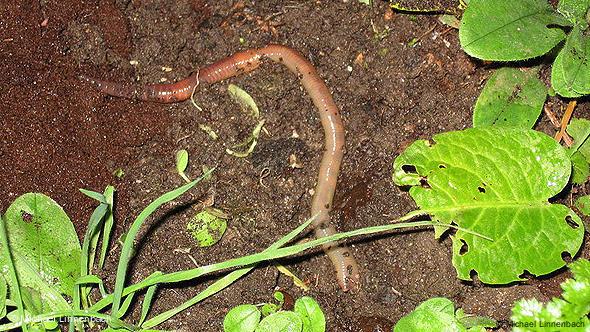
<point>347,270</point>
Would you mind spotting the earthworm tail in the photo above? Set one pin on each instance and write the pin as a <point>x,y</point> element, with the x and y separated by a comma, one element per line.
<point>346,267</point>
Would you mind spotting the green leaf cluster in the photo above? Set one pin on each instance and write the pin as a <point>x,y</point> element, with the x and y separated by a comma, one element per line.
<point>439,314</point>
<point>499,30</point>
<point>307,316</point>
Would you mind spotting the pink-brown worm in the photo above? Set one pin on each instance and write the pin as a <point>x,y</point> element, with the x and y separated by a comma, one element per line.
<point>347,270</point>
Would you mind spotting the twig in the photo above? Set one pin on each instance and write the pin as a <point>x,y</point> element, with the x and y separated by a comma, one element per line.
<point>565,120</point>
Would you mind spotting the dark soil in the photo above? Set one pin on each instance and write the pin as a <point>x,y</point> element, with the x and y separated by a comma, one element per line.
<point>58,135</point>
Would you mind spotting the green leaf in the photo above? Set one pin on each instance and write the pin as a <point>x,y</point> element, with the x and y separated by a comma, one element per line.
<point>501,30</point>
<point>570,74</point>
<point>243,318</point>
<point>3,296</point>
<point>583,204</point>
<point>579,129</point>
<point>207,227</point>
<point>282,321</point>
<point>436,314</point>
<point>45,248</point>
<point>495,182</point>
<point>511,98</point>
<point>182,163</point>
<point>575,11</point>
<point>269,309</point>
<point>580,168</point>
<point>311,314</point>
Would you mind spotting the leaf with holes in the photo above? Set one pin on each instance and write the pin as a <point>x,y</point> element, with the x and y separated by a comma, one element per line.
<point>45,250</point>
<point>511,98</point>
<point>495,182</point>
<point>501,30</point>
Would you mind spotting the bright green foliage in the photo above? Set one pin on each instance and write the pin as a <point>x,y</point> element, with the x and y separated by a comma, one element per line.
<point>579,129</point>
<point>438,314</point>
<point>45,251</point>
<point>282,321</point>
<point>580,168</point>
<point>311,314</point>
<point>243,318</point>
<point>495,182</point>
<point>570,74</point>
<point>572,308</point>
<point>501,30</point>
<point>306,317</point>
<point>511,98</point>
<point>575,11</point>
<point>207,227</point>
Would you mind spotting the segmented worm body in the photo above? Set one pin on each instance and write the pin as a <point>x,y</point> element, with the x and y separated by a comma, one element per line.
<point>346,267</point>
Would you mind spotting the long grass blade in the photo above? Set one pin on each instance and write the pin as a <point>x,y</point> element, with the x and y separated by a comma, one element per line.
<point>127,249</point>
<point>222,283</point>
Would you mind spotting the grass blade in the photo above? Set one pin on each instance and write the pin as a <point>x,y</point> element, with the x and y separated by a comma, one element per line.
<point>127,250</point>
<point>222,283</point>
<point>109,194</point>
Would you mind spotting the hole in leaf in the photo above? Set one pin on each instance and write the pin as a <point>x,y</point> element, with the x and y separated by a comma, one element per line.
<point>526,275</point>
<point>566,256</point>
<point>464,248</point>
<point>27,217</point>
<point>409,169</point>
<point>481,190</point>
<point>424,184</point>
<point>442,166</point>
<point>571,222</point>
<point>474,276</point>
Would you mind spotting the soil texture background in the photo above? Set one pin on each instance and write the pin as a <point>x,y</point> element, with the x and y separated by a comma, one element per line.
<point>397,78</point>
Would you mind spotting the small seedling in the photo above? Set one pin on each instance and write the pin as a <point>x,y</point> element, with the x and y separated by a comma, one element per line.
<point>439,314</point>
<point>182,163</point>
<point>306,316</point>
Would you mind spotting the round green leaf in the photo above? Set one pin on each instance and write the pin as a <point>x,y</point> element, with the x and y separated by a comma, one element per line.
<point>436,314</point>
<point>282,321</point>
<point>44,247</point>
<point>243,318</point>
<point>311,314</point>
<point>495,182</point>
<point>501,30</point>
<point>510,98</point>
